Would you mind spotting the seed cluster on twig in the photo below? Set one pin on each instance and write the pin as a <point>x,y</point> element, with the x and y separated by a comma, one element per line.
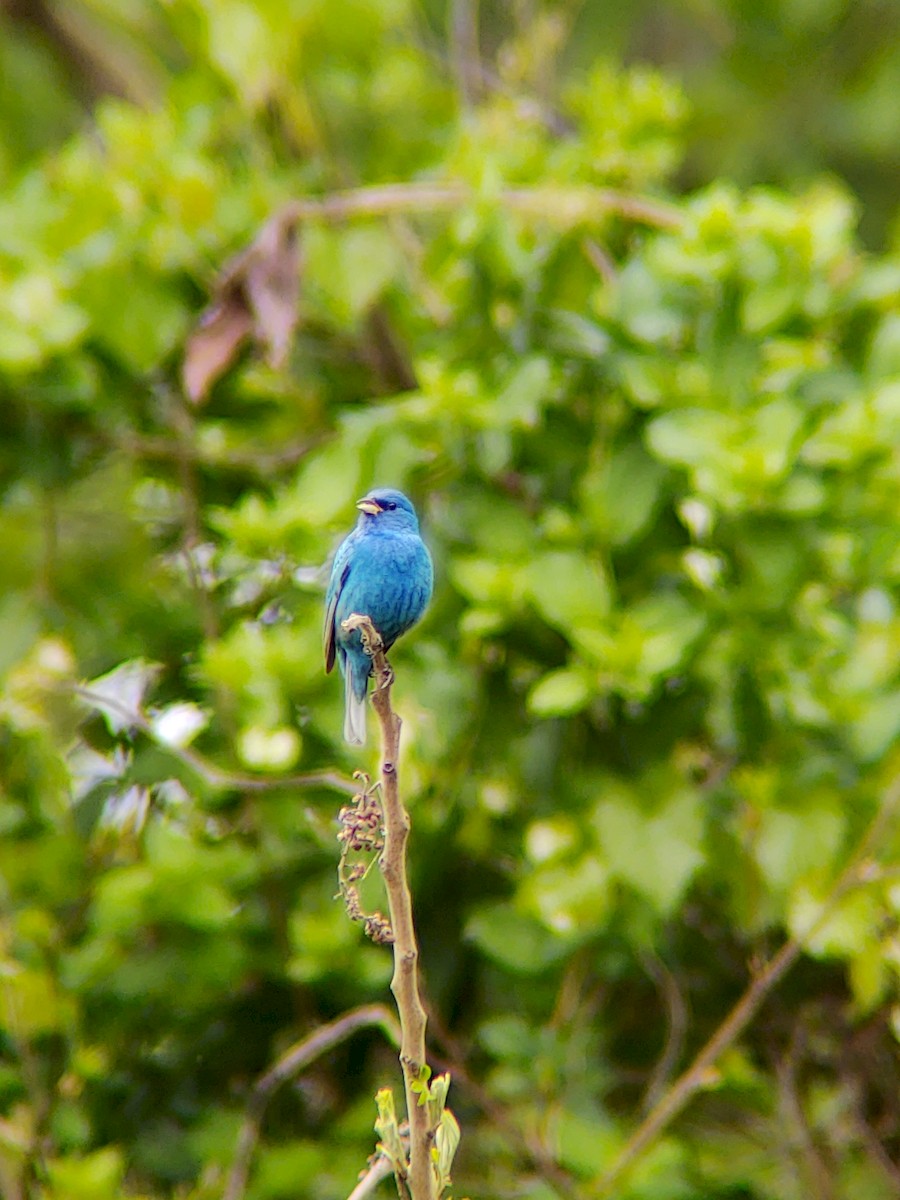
<point>362,833</point>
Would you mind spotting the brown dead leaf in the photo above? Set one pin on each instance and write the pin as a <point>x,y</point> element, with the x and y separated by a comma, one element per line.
<point>215,341</point>
<point>256,295</point>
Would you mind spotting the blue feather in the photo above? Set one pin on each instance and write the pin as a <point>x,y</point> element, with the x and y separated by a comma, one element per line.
<point>381,570</point>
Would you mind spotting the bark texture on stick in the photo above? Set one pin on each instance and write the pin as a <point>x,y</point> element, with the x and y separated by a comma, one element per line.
<point>405,981</point>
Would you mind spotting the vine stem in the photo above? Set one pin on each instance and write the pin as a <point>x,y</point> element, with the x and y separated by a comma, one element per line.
<point>405,981</point>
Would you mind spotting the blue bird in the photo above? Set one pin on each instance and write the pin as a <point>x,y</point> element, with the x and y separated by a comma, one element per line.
<point>382,570</point>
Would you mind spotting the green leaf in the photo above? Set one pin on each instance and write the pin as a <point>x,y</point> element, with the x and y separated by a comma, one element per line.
<point>648,643</point>
<point>141,333</point>
<point>388,1130</point>
<point>508,1036</point>
<point>790,844</point>
<point>446,1143</point>
<point>844,932</point>
<point>36,320</point>
<point>884,352</point>
<point>96,1176</point>
<point>587,1144</point>
<point>570,897</point>
<point>622,495</point>
<point>644,309</point>
<point>567,589</point>
<point>561,693</point>
<point>692,436</point>
<point>30,1003</point>
<point>524,394</point>
<point>287,1166</point>
<point>654,845</point>
<point>513,940</point>
<point>348,269</point>
<point>487,582</point>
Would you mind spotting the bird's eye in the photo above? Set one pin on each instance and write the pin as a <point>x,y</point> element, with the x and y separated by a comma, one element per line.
<point>391,506</point>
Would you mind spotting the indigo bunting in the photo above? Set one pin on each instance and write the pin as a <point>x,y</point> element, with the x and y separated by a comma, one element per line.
<point>381,570</point>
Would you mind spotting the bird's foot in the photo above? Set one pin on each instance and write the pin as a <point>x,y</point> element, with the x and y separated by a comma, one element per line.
<point>385,677</point>
<point>369,637</point>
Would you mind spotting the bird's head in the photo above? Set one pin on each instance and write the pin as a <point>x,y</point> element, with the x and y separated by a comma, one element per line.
<point>386,508</point>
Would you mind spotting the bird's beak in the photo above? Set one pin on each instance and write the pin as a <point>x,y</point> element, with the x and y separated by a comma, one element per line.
<point>369,506</point>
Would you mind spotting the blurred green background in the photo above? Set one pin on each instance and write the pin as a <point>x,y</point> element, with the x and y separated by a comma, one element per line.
<point>626,326</point>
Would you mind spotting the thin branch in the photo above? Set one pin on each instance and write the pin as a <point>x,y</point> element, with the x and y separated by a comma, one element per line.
<point>440,313</point>
<point>380,1169</point>
<point>166,449</point>
<point>856,873</point>
<point>299,1056</point>
<point>405,981</point>
<point>211,774</point>
<point>566,206</point>
<point>871,1143</point>
<point>49,559</point>
<point>383,353</point>
<point>96,66</point>
<point>527,106</point>
<point>677,1023</point>
<point>600,259</point>
<point>288,1066</point>
<point>186,430</point>
<point>465,56</point>
<point>810,1162</point>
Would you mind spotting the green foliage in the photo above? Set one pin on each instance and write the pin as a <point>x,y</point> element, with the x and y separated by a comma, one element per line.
<point>653,440</point>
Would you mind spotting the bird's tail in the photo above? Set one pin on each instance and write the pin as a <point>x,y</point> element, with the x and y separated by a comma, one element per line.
<point>354,715</point>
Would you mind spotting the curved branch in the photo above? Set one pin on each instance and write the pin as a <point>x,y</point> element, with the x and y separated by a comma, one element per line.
<point>288,1066</point>
<point>676,1030</point>
<point>211,774</point>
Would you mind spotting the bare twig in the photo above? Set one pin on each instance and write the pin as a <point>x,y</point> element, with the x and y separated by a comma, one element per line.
<point>464,52</point>
<point>439,312</point>
<point>214,776</point>
<point>49,561</point>
<point>405,981</point>
<point>677,1023</point>
<point>186,430</point>
<point>600,259</point>
<point>818,1172</point>
<point>559,205</point>
<point>380,1169</point>
<point>260,462</point>
<point>96,64</point>
<point>857,872</point>
<point>381,350</point>
<point>288,1066</point>
<point>876,1152</point>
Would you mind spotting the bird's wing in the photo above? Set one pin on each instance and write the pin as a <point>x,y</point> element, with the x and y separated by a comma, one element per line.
<point>339,573</point>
